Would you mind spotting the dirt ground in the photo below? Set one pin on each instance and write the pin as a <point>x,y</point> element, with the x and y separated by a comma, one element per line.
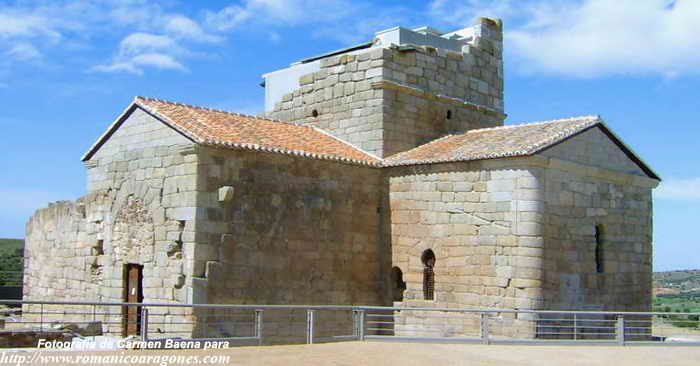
<point>421,354</point>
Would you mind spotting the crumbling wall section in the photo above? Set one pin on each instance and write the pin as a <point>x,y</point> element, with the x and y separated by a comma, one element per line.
<point>140,209</point>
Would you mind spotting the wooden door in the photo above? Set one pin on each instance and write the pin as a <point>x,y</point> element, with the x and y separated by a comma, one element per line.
<point>134,294</point>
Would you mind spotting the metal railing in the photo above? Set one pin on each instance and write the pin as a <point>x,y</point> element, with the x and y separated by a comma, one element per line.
<point>271,324</point>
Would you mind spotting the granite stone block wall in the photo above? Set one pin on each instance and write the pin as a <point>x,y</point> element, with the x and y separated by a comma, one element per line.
<point>479,219</point>
<point>553,231</point>
<point>294,231</point>
<point>598,227</point>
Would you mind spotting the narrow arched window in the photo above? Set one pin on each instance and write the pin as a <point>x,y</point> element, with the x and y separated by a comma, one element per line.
<point>428,259</point>
<point>399,284</point>
<point>599,258</point>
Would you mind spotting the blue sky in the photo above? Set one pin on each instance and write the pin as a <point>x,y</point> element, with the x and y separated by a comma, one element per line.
<point>68,68</point>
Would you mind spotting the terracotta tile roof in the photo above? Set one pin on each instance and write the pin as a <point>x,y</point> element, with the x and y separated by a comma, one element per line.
<point>492,143</point>
<point>223,129</point>
<point>236,131</point>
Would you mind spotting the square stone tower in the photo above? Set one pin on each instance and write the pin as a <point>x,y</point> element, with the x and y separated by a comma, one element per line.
<point>402,89</point>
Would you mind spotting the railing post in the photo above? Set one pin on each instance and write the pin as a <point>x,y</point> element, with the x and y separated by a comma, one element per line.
<point>575,327</point>
<point>484,328</point>
<point>355,328</point>
<point>310,315</point>
<point>258,326</point>
<point>620,330</point>
<point>41,317</point>
<point>144,324</point>
<point>361,315</point>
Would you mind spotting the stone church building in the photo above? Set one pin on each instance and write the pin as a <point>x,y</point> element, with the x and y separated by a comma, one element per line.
<point>381,174</point>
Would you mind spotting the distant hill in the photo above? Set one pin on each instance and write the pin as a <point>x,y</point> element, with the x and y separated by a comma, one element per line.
<point>675,282</point>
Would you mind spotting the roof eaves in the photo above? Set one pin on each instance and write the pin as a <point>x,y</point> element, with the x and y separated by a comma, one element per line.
<point>510,154</point>
<point>298,153</point>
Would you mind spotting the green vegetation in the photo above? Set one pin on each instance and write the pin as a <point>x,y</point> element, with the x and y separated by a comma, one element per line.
<point>681,303</point>
<point>686,303</point>
<point>11,261</point>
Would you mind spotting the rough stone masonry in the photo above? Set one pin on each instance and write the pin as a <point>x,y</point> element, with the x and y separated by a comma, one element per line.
<point>381,174</point>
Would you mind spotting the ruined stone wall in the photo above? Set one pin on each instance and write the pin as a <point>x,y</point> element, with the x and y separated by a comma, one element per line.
<point>582,192</point>
<point>479,219</point>
<point>388,100</point>
<point>140,210</point>
<point>291,231</point>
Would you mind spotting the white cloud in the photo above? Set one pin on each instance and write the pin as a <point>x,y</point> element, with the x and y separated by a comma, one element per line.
<point>679,189</point>
<point>343,20</point>
<point>16,24</point>
<point>28,29</point>
<point>23,52</point>
<point>593,38</point>
<point>159,61</point>
<point>141,50</point>
<point>136,64</point>
<point>186,28</point>
<point>228,17</point>
<point>282,12</point>
<point>137,43</point>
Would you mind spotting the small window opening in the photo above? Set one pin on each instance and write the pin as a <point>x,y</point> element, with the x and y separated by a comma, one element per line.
<point>599,259</point>
<point>449,114</point>
<point>428,259</point>
<point>399,283</point>
<point>314,113</point>
<point>99,248</point>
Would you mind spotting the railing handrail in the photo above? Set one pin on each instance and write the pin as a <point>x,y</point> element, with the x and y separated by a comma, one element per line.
<point>338,307</point>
